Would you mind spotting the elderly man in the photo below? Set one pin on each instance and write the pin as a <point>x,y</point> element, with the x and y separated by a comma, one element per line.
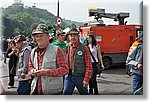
<point>47,65</point>
<point>22,66</point>
<point>80,66</point>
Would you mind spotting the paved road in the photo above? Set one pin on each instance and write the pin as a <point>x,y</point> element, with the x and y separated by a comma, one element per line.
<point>114,81</point>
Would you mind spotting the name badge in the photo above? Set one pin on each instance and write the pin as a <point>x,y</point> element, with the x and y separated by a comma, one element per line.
<point>79,53</point>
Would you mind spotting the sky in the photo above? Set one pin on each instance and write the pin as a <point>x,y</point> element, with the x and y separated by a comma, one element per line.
<point>77,10</point>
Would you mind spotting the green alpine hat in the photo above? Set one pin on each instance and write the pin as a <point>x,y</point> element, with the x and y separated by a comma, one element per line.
<point>40,29</point>
<point>61,33</point>
<point>20,38</point>
<point>73,31</point>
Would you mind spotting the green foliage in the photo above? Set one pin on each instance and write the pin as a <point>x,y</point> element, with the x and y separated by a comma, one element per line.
<point>18,19</point>
<point>27,18</point>
<point>16,31</point>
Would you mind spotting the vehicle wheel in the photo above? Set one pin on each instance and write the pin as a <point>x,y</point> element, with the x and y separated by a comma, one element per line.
<point>107,62</point>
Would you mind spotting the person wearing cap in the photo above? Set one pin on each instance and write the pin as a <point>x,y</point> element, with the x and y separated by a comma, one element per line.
<point>80,66</point>
<point>60,41</point>
<point>135,63</point>
<point>47,65</point>
<point>22,66</point>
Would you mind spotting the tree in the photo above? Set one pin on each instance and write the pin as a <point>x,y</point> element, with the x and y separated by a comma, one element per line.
<point>20,19</point>
<point>17,31</point>
<point>26,18</point>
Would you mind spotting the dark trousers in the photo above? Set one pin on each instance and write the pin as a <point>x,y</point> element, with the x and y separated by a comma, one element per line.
<point>72,81</point>
<point>24,87</point>
<point>92,81</point>
<point>11,76</point>
<point>11,80</point>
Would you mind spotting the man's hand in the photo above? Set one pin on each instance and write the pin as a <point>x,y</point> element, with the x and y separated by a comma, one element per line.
<point>85,84</point>
<point>140,66</point>
<point>41,72</point>
<point>33,72</point>
<point>103,67</point>
<point>23,75</point>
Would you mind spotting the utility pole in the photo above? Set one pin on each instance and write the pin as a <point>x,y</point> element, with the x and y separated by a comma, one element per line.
<point>58,9</point>
<point>58,20</point>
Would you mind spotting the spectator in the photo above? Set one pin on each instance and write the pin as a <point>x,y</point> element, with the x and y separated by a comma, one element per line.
<point>11,54</point>
<point>96,58</point>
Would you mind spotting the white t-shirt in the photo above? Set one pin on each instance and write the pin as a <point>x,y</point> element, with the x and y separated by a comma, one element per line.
<point>94,51</point>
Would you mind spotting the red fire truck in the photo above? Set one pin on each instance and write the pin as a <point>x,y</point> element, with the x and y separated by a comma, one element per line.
<point>115,40</point>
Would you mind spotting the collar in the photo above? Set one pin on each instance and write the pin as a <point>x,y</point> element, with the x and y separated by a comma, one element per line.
<point>41,49</point>
<point>76,45</point>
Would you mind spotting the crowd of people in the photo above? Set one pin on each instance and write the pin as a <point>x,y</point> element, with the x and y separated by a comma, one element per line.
<point>46,67</point>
